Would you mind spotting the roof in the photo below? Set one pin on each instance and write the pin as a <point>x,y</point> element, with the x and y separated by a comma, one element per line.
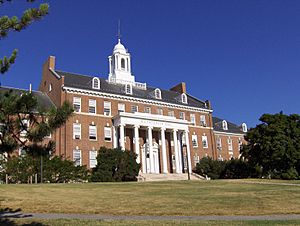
<point>43,100</point>
<point>232,128</point>
<point>85,82</point>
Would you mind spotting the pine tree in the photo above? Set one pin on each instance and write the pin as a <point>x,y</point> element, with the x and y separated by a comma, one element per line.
<point>9,24</point>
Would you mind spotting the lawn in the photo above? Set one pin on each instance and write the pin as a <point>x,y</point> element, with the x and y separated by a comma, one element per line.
<point>220,197</point>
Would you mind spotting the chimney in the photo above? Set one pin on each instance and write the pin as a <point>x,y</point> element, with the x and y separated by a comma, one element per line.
<point>180,88</point>
<point>50,63</point>
<point>208,104</point>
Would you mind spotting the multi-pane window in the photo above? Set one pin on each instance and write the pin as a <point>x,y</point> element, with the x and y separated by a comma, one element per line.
<point>92,106</point>
<point>224,125</point>
<point>204,142</point>
<point>219,143</point>
<point>202,120</point>
<point>157,93</point>
<point>24,127</point>
<point>128,89</point>
<point>107,108</point>
<point>93,159</point>
<point>181,115</point>
<point>77,104</point>
<point>148,110</point>
<point>96,83</point>
<point>134,108</point>
<point>77,157</point>
<point>194,141</point>
<point>196,159</point>
<point>121,107</point>
<point>107,133</point>
<point>92,132</point>
<point>76,131</point>
<point>171,113</point>
<point>184,98</point>
<point>193,119</point>
<point>159,111</point>
<point>229,140</point>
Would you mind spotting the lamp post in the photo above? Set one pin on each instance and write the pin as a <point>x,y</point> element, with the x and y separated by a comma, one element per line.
<point>187,162</point>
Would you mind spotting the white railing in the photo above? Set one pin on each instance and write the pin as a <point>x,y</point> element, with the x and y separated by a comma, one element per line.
<point>138,85</point>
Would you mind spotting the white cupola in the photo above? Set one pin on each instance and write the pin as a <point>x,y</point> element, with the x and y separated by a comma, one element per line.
<point>120,65</point>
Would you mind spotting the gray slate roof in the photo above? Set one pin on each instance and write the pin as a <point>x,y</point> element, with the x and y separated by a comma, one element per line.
<point>232,128</point>
<point>43,100</point>
<point>85,82</point>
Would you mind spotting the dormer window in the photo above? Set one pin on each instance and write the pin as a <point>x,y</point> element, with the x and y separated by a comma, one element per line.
<point>123,63</point>
<point>96,83</point>
<point>224,125</point>
<point>184,98</point>
<point>244,128</point>
<point>128,89</point>
<point>157,93</point>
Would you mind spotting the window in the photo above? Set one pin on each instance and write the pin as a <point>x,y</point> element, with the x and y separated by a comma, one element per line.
<point>121,107</point>
<point>244,127</point>
<point>240,144</point>
<point>229,140</point>
<point>184,98</point>
<point>128,89</point>
<point>224,125</point>
<point>182,115</point>
<point>202,120</point>
<point>77,157</point>
<point>157,93</point>
<point>123,63</point>
<point>171,113</point>
<point>107,108</point>
<point>92,106</point>
<point>76,131</point>
<point>107,133</point>
<point>160,111</point>
<point>204,142</point>
<point>24,127</point>
<point>148,110</point>
<point>196,159</point>
<point>77,104</point>
<point>96,83</point>
<point>134,108</point>
<point>193,119</point>
<point>92,132</point>
<point>93,159</point>
<point>219,143</point>
<point>194,141</point>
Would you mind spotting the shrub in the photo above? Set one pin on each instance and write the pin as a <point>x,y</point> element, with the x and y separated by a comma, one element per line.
<point>209,167</point>
<point>115,165</point>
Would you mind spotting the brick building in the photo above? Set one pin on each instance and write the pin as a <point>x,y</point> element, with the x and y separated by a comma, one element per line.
<point>170,130</point>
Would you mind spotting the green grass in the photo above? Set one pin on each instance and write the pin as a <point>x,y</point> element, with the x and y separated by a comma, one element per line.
<point>220,197</point>
<point>154,223</point>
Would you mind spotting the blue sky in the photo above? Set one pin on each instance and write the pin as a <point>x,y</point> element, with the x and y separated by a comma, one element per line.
<point>241,55</point>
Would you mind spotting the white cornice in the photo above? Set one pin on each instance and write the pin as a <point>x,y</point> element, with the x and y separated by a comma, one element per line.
<point>227,133</point>
<point>132,99</point>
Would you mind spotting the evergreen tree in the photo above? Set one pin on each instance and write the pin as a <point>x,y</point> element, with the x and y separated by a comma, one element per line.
<point>8,24</point>
<point>24,123</point>
<point>274,146</point>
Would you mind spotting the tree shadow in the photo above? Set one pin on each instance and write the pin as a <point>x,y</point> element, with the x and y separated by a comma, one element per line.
<point>7,214</point>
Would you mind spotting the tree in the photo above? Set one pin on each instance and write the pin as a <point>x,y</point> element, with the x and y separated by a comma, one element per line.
<point>209,167</point>
<point>115,165</point>
<point>273,147</point>
<point>14,23</point>
<point>25,123</point>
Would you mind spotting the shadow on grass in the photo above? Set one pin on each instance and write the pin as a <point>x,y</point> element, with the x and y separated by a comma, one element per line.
<point>7,215</point>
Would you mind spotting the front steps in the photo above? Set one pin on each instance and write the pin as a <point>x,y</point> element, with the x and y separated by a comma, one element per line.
<point>168,177</point>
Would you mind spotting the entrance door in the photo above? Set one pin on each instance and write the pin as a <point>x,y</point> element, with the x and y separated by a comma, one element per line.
<point>155,158</point>
<point>146,158</point>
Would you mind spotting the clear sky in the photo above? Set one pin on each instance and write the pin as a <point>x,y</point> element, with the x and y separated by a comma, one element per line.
<point>244,56</point>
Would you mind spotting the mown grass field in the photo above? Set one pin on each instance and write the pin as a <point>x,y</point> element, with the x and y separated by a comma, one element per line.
<point>220,197</point>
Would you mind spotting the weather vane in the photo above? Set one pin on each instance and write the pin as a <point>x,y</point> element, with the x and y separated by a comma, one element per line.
<point>119,30</point>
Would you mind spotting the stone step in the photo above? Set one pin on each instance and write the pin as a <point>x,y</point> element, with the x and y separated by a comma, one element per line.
<point>167,177</point>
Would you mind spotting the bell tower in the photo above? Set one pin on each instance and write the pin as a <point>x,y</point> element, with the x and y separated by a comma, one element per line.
<point>120,65</point>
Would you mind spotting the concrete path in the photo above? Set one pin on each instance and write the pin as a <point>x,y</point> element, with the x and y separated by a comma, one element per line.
<point>111,217</point>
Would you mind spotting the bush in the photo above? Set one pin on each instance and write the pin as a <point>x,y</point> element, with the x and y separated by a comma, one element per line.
<point>115,165</point>
<point>235,169</point>
<point>209,167</point>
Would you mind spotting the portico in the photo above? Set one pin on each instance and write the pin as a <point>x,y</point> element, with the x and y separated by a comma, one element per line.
<point>155,152</point>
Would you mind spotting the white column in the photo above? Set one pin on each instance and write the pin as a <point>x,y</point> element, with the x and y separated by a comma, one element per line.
<point>115,137</point>
<point>137,143</point>
<point>187,142</point>
<point>150,149</point>
<point>179,152</point>
<point>110,69</point>
<point>122,137</point>
<point>176,150</point>
<point>163,150</point>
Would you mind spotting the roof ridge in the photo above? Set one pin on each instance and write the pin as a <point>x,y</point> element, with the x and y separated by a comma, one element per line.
<point>73,73</point>
<point>21,89</point>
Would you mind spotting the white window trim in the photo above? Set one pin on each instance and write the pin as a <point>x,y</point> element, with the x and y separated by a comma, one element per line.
<point>128,88</point>
<point>93,159</point>
<point>195,138</point>
<point>107,131</point>
<point>80,155</point>
<point>74,134</point>
<point>204,138</point>
<point>95,85</point>
<point>132,106</point>
<point>193,118</point>
<point>184,98</point>
<point>224,125</point>
<point>93,103</point>
<point>157,93</point>
<point>244,128</point>
<point>77,101</point>
<point>121,107</point>
<point>230,144</point>
<point>203,120</point>
<point>107,105</point>
<point>90,129</point>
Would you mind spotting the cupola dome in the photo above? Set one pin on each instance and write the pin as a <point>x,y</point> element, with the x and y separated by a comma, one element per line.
<point>119,48</point>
